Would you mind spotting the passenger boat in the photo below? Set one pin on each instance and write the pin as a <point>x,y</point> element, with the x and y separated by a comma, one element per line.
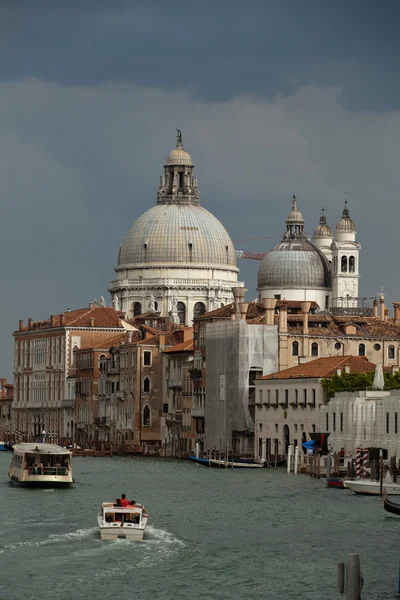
<point>226,463</point>
<point>335,482</point>
<point>366,486</point>
<point>128,522</point>
<point>391,507</point>
<point>42,465</point>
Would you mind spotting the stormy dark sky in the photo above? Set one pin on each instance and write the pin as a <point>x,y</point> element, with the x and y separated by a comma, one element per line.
<point>273,98</point>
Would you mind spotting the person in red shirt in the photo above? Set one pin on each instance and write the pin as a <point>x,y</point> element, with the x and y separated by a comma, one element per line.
<point>124,500</point>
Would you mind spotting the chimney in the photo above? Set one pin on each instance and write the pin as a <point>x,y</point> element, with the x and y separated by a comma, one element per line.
<point>283,317</point>
<point>130,333</point>
<point>91,305</point>
<point>3,382</point>
<point>382,307</point>
<point>162,339</point>
<point>62,320</point>
<point>91,321</point>
<point>52,320</point>
<point>30,321</point>
<point>243,306</point>
<point>338,372</point>
<point>269,305</point>
<point>347,368</point>
<point>305,308</point>
<point>239,294</point>
<point>396,309</point>
<point>386,314</point>
<point>21,324</point>
<point>375,304</point>
<point>187,334</point>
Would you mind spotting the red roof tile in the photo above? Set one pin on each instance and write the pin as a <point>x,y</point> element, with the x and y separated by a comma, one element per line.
<point>324,367</point>
<point>182,347</point>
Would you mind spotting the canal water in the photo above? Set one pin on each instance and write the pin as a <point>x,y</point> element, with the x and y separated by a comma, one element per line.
<point>214,534</point>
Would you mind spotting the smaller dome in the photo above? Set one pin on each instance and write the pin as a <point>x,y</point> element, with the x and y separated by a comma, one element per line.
<point>323,230</point>
<point>178,156</point>
<point>346,224</point>
<point>295,215</point>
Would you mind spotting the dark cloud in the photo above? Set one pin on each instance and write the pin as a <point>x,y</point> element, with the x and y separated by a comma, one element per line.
<point>91,94</point>
<point>214,49</point>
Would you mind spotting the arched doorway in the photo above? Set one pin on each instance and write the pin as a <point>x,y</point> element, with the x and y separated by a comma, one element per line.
<point>137,309</point>
<point>286,437</point>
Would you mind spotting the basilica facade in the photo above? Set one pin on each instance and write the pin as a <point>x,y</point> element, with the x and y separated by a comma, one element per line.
<point>177,259</point>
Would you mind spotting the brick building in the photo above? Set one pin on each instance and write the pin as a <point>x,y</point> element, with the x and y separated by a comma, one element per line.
<point>43,367</point>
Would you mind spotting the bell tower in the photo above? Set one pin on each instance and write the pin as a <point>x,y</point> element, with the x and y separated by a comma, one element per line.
<point>345,262</point>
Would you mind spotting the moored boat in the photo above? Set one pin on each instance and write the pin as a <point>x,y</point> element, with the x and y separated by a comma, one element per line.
<point>335,482</point>
<point>41,465</point>
<point>229,464</point>
<point>391,507</point>
<point>366,486</point>
<point>122,522</point>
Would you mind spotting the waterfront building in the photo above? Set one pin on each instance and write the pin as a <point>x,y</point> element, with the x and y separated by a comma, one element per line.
<point>180,432</point>
<point>44,394</point>
<point>86,370</point>
<point>364,419</point>
<point>289,402</point>
<point>177,259</point>
<point>6,414</point>
<point>324,270</point>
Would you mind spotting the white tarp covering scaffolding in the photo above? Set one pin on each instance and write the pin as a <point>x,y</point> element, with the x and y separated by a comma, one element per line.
<point>233,350</point>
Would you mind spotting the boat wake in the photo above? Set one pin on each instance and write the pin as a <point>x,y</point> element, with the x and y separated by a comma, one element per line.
<point>55,538</point>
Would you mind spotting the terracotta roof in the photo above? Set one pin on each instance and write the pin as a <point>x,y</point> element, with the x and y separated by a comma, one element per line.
<point>324,367</point>
<point>104,341</point>
<point>182,347</point>
<point>103,316</point>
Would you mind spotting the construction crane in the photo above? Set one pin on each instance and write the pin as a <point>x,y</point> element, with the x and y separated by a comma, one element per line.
<point>251,255</point>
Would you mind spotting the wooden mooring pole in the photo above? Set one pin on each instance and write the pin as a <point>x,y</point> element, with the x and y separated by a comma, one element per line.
<point>350,578</point>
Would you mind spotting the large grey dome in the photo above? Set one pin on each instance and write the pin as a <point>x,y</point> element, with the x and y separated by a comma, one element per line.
<point>177,235</point>
<point>294,263</point>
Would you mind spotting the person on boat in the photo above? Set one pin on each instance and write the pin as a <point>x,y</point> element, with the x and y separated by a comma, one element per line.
<point>118,502</point>
<point>133,502</point>
<point>124,500</point>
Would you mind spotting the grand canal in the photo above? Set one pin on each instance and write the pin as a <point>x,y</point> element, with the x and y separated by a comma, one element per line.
<point>214,534</point>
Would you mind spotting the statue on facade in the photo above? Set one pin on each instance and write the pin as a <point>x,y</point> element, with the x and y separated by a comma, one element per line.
<point>102,302</point>
<point>178,138</point>
<point>115,302</point>
<point>173,312</point>
<point>152,303</point>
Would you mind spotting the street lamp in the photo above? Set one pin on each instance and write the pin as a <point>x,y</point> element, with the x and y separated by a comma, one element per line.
<point>43,436</point>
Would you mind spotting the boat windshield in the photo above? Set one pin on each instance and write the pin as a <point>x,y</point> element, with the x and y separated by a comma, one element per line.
<point>125,517</point>
<point>47,464</point>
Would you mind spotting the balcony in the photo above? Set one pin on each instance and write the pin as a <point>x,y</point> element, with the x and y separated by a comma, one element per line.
<point>197,412</point>
<point>175,384</point>
<point>68,403</point>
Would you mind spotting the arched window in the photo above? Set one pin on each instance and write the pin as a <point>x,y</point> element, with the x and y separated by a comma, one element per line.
<point>295,348</point>
<point>391,353</point>
<point>146,385</point>
<point>146,416</point>
<point>352,264</point>
<point>199,309</point>
<point>181,312</point>
<point>361,350</point>
<point>137,309</point>
<point>314,349</point>
<point>344,264</point>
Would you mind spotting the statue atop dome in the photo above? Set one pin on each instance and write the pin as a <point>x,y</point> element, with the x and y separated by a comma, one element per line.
<point>178,138</point>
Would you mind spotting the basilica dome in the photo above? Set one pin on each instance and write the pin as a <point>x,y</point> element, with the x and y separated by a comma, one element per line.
<point>295,263</point>
<point>177,234</point>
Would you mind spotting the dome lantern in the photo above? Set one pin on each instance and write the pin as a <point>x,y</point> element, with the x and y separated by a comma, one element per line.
<point>346,229</point>
<point>323,231</point>
<point>295,221</point>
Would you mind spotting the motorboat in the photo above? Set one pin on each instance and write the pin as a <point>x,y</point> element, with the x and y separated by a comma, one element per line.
<point>391,507</point>
<point>227,463</point>
<point>335,482</point>
<point>41,465</point>
<point>366,486</point>
<point>122,522</point>
<point>6,447</point>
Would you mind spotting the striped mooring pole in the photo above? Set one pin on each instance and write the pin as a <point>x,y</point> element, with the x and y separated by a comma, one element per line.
<point>358,463</point>
<point>365,460</point>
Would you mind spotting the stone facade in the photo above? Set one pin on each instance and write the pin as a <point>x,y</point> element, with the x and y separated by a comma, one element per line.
<point>44,374</point>
<point>7,431</point>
